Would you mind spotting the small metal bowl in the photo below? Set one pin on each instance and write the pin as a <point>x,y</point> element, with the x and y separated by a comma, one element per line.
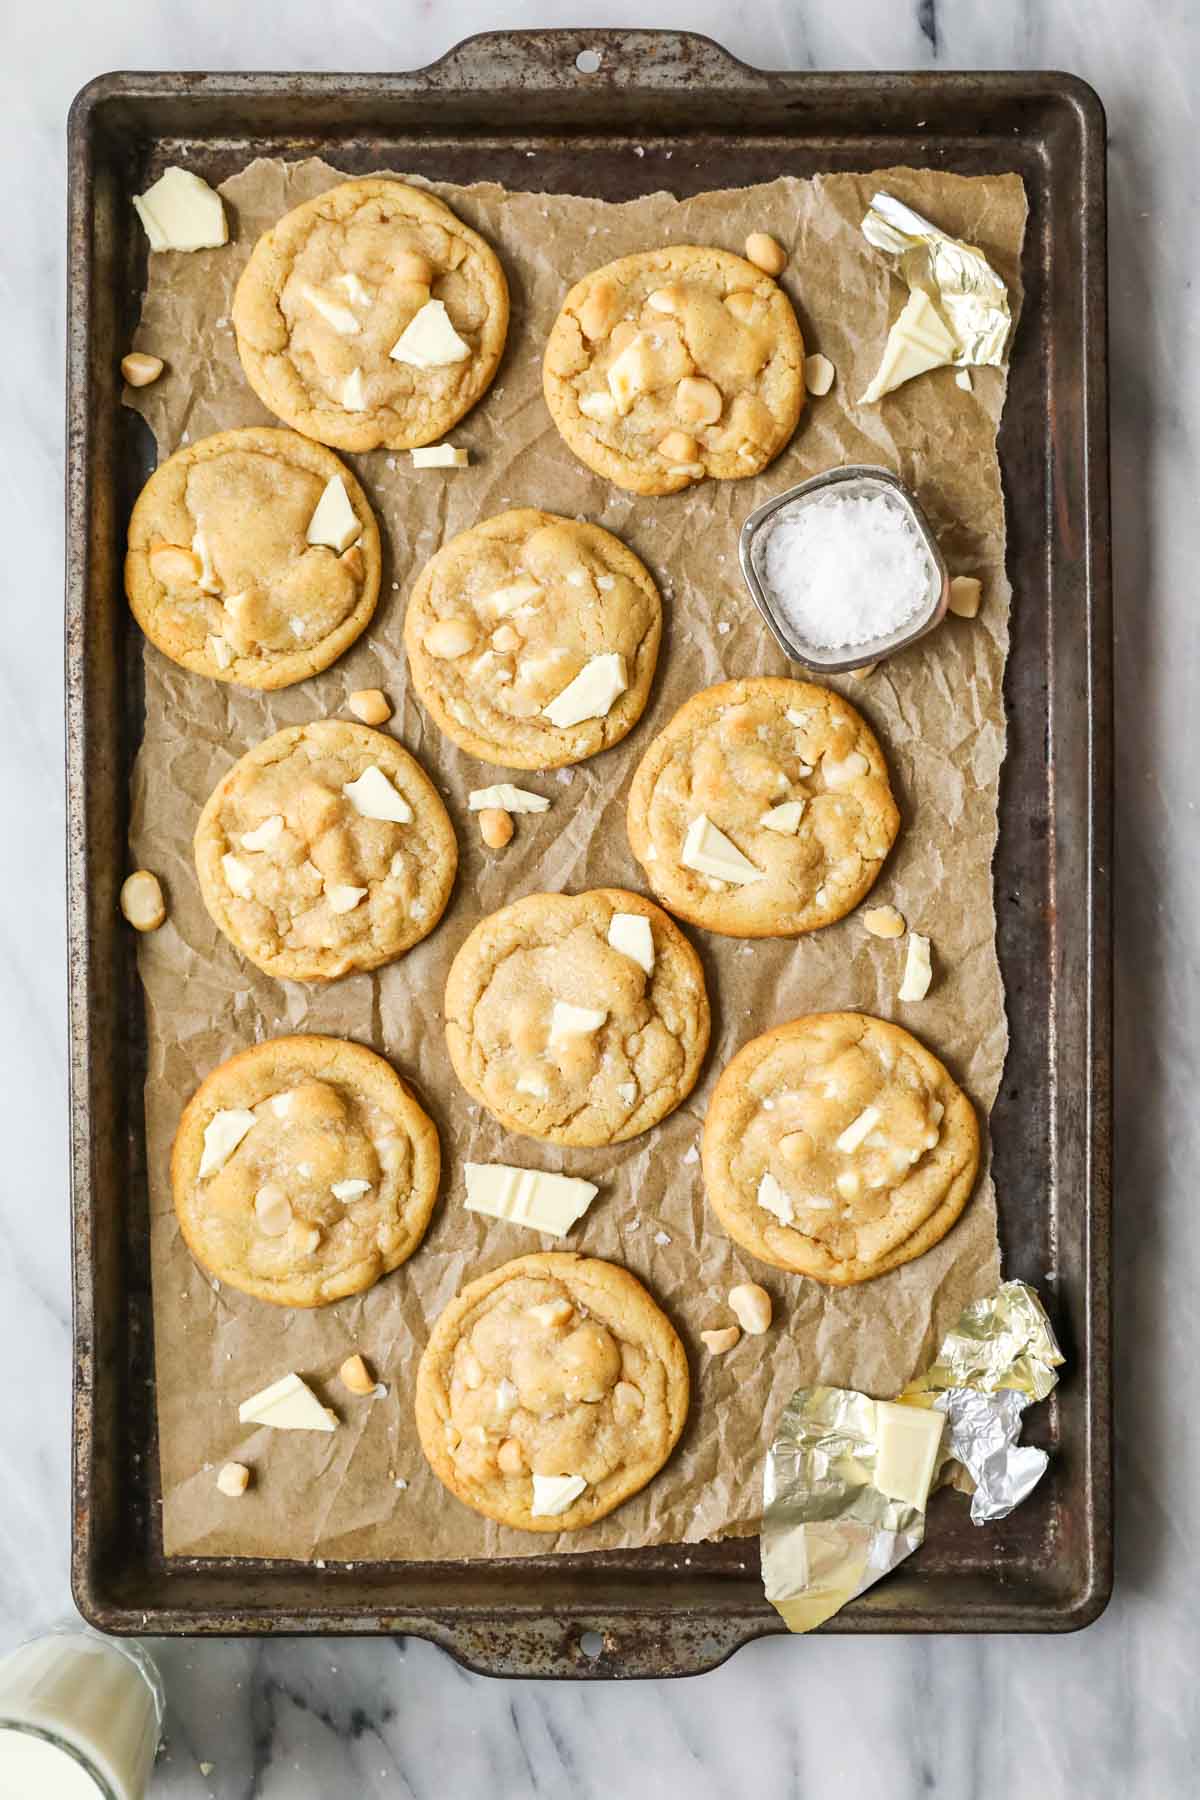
<point>858,478</point>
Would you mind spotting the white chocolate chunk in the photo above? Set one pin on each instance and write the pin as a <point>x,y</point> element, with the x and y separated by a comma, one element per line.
<point>221,651</point>
<point>774,1199</point>
<point>818,374</point>
<point>181,212</point>
<point>858,1129</point>
<point>222,1135</point>
<point>342,898</point>
<point>784,818</point>
<point>346,1191</point>
<point>335,522</point>
<point>374,797</point>
<point>554,1494</point>
<point>631,934</point>
<point>332,311</point>
<point>508,798</point>
<point>627,373</point>
<point>208,582</point>
<point>841,774</point>
<point>708,851</point>
<point>627,1092</point>
<point>429,340</point>
<point>918,968</point>
<point>354,289</point>
<point>265,835</point>
<point>599,406</point>
<point>354,397</point>
<point>440,456</point>
<point>591,694</point>
<point>544,1202</point>
<point>963,380</point>
<point>505,600</point>
<point>907,1443</point>
<point>919,340</point>
<point>289,1404</point>
<point>239,876</point>
<point>567,1021</point>
<point>532,1084</point>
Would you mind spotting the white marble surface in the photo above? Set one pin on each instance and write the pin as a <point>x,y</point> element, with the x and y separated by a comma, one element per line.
<point>1112,1712</point>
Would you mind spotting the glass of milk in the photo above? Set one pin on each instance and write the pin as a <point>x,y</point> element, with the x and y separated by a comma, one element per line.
<point>80,1717</point>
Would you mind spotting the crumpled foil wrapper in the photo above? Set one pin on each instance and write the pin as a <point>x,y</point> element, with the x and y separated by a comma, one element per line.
<point>828,1532</point>
<point>957,277</point>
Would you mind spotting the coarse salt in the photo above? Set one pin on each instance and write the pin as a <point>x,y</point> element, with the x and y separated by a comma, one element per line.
<point>844,571</point>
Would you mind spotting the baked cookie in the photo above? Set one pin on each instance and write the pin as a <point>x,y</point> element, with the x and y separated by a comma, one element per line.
<point>763,809</point>
<point>550,1391</point>
<point>533,639</point>
<point>303,1170</point>
<point>324,850</point>
<point>371,316</point>
<point>238,565</point>
<point>675,364</point>
<point>838,1147</point>
<point>579,1019</point>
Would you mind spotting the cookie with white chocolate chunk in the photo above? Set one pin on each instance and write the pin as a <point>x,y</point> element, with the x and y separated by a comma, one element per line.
<point>671,365</point>
<point>578,1019</point>
<point>253,557</point>
<point>550,1391</point>
<point>371,316</point>
<point>763,809</point>
<point>303,1170</point>
<point>532,639</point>
<point>838,1147</point>
<point>325,849</point>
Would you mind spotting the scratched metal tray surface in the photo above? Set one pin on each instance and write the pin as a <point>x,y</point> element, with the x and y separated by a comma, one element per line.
<point>537,110</point>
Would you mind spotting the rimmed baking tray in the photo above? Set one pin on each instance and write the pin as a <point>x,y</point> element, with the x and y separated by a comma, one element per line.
<point>531,110</point>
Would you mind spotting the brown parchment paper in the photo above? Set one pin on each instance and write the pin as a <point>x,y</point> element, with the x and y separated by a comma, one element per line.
<point>937,710</point>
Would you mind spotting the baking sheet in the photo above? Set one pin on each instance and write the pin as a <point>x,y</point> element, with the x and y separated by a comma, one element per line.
<point>937,709</point>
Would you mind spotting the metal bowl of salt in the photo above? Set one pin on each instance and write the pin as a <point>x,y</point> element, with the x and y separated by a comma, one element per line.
<point>837,611</point>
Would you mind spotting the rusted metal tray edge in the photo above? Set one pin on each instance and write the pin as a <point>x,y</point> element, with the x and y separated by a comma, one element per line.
<point>524,1635</point>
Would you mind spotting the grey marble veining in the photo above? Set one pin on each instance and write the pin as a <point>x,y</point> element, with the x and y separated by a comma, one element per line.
<point>1112,1712</point>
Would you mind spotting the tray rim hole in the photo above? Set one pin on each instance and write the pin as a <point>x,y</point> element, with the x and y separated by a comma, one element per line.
<point>589,62</point>
<point>592,1644</point>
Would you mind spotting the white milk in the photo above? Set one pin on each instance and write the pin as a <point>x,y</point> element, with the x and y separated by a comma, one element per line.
<point>99,1708</point>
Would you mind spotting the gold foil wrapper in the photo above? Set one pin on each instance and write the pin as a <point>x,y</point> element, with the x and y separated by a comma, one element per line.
<point>958,278</point>
<point>829,1530</point>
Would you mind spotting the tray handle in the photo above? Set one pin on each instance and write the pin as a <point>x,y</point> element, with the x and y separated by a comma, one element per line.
<point>561,60</point>
<point>629,1647</point>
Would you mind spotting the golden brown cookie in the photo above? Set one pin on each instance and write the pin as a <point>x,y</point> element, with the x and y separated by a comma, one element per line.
<point>371,316</point>
<point>324,850</point>
<point>550,1391</point>
<point>763,809</point>
<point>303,1170</point>
<point>533,639</point>
<point>222,570</point>
<point>674,364</point>
<point>579,1019</point>
<point>838,1147</point>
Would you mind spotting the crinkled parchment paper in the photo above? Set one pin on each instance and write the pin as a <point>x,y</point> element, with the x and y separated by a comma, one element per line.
<point>937,709</point>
